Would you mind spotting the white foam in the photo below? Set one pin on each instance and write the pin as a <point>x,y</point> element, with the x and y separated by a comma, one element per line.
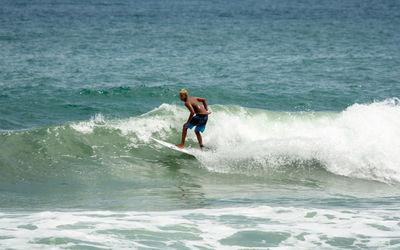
<point>374,228</point>
<point>87,127</point>
<point>363,141</point>
<point>160,120</point>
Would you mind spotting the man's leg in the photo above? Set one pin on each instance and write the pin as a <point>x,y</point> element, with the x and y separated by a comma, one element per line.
<point>200,140</point>
<point>184,132</point>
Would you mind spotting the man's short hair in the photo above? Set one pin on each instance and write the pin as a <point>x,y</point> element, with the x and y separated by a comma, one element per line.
<point>183,91</point>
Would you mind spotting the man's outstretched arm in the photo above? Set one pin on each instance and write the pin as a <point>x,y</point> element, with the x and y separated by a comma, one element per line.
<point>191,113</point>
<point>184,130</point>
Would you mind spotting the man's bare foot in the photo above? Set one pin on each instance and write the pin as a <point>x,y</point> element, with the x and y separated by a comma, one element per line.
<point>208,112</point>
<point>180,145</point>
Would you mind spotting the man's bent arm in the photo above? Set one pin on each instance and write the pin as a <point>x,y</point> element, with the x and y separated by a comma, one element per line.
<point>203,100</point>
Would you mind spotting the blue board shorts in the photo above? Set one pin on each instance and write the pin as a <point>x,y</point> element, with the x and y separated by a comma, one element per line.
<point>199,121</point>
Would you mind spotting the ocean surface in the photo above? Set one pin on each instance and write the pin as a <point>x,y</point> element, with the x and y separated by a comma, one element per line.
<point>302,146</point>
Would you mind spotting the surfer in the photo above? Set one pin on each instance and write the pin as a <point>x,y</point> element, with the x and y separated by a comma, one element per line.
<point>199,120</point>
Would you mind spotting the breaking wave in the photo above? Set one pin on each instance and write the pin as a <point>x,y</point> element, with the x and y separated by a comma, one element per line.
<point>362,141</point>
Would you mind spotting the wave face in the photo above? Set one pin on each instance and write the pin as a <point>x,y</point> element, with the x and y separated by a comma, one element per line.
<point>361,142</point>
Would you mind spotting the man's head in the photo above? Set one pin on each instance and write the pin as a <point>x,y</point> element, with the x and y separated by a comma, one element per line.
<point>183,94</point>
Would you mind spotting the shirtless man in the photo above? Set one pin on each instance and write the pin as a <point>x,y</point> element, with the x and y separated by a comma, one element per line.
<point>200,120</point>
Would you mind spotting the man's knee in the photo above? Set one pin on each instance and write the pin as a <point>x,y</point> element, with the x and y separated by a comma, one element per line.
<point>197,132</point>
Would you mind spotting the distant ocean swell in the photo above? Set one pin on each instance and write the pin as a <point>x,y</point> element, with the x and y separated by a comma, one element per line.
<point>362,141</point>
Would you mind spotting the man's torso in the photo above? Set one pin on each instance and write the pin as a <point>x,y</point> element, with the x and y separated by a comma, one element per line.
<point>196,105</point>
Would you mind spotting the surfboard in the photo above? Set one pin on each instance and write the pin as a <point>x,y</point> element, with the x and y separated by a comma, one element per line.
<point>172,146</point>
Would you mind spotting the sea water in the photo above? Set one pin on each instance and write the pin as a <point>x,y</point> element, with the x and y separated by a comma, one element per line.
<point>302,146</point>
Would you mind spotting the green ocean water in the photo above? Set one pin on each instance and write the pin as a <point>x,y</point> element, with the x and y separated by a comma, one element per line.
<point>302,143</point>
